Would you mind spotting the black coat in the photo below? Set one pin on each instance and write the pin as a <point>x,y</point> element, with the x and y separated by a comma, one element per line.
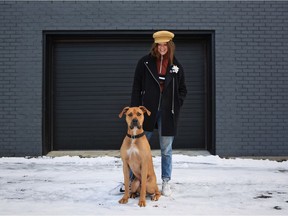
<point>146,92</point>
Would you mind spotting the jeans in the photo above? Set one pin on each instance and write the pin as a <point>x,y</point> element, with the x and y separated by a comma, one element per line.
<point>166,150</point>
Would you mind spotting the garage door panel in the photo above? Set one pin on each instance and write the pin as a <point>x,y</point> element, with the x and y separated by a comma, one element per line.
<point>92,82</point>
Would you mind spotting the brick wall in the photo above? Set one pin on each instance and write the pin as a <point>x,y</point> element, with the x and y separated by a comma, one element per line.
<point>251,64</point>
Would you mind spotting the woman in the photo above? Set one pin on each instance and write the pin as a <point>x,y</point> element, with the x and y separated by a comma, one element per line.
<point>159,85</point>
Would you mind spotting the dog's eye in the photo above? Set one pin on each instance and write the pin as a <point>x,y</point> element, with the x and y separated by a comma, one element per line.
<point>130,114</point>
<point>138,114</point>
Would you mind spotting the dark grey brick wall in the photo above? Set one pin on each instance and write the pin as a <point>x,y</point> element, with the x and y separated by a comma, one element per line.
<point>251,49</point>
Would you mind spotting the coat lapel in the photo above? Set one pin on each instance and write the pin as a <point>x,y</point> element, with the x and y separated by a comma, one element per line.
<point>153,67</point>
<point>151,63</point>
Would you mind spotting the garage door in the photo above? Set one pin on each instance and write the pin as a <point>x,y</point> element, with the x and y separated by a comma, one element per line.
<point>92,82</point>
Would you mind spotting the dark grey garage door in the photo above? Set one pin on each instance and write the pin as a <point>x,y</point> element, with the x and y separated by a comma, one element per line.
<point>92,82</point>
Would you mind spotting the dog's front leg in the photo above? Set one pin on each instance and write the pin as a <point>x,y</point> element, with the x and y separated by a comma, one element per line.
<point>125,197</point>
<point>144,172</point>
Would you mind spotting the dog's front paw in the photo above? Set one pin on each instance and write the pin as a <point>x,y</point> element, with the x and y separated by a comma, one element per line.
<point>142,203</point>
<point>124,200</point>
<point>155,197</point>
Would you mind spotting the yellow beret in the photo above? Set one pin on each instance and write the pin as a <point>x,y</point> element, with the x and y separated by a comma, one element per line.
<point>162,36</point>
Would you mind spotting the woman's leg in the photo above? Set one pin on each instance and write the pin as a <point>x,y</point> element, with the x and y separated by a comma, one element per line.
<point>166,152</point>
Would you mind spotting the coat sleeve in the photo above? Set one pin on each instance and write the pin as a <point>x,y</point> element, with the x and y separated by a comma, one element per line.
<point>136,97</point>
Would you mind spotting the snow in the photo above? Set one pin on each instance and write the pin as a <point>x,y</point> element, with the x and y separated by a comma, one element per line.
<point>202,185</point>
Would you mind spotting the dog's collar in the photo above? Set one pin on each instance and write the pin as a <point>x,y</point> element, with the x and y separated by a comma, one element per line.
<point>135,136</point>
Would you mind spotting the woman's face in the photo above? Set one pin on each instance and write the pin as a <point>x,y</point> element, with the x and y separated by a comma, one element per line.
<point>162,48</point>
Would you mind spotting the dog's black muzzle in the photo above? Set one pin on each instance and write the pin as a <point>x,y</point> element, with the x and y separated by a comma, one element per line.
<point>135,123</point>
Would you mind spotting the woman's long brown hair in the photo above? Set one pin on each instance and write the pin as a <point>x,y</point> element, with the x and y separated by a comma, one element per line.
<point>171,50</point>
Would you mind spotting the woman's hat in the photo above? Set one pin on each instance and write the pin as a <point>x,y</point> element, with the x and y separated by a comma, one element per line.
<point>162,36</point>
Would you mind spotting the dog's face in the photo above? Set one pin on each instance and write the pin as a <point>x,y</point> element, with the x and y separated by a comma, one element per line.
<point>134,116</point>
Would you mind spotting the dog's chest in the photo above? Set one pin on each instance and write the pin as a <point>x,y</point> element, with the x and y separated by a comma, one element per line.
<point>132,150</point>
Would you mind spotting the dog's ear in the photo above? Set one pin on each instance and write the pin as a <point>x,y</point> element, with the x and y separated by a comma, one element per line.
<point>145,110</point>
<point>123,112</point>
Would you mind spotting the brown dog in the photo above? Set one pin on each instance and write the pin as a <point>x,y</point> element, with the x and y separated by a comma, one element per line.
<point>136,154</point>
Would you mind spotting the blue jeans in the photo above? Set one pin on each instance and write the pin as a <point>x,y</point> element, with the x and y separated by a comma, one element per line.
<point>166,150</point>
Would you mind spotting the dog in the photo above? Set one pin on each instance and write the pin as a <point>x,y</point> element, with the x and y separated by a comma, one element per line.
<point>136,155</point>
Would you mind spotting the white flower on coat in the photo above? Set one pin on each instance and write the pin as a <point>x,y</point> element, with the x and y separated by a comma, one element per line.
<point>174,69</point>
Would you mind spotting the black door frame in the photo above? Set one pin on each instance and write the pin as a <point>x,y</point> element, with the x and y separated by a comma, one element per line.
<point>50,37</point>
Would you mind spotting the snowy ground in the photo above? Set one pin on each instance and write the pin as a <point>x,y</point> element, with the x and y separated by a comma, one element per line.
<point>202,185</point>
